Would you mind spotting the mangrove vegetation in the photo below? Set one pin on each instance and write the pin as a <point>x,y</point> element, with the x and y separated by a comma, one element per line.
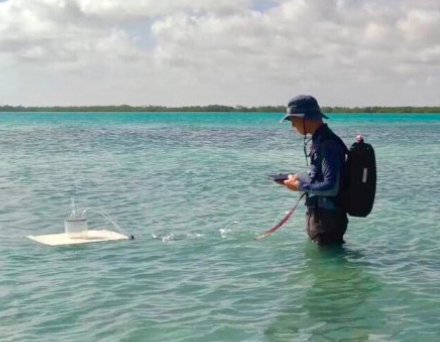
<point>213,109</point>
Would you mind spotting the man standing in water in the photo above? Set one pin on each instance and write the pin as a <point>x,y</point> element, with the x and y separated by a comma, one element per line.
<point>326,220</point>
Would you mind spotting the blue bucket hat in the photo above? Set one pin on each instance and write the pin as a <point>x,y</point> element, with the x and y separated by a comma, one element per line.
<point>303,106</point>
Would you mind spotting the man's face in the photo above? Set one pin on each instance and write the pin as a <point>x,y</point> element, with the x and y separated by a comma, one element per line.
<point>298,124</point>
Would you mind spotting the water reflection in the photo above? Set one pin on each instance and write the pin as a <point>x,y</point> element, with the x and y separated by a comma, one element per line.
<point>337,303</point>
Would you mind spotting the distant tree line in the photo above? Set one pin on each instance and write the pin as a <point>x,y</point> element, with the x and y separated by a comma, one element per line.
<point>143,109</point>
<point>215,109</point>
<point>378,109</point>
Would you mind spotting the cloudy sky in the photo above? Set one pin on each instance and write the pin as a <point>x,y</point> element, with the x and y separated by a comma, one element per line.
<point>232,52</point>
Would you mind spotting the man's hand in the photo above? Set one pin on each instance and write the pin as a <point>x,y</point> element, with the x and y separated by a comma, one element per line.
<point>292,182</point>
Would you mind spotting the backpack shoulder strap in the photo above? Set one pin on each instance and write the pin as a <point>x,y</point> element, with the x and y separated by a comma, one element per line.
<point>330,135</point>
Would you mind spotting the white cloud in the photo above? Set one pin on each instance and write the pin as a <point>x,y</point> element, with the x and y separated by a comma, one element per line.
<point>150,8</point>
<point>349,52</point>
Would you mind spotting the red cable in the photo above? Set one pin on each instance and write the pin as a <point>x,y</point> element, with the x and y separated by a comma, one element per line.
<point>281,223</point>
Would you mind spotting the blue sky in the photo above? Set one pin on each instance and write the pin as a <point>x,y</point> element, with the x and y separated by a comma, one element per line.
<point>263,5</point>
<point>233,52</point>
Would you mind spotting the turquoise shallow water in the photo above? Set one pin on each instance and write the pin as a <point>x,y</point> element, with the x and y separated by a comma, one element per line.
<point>192,189</point>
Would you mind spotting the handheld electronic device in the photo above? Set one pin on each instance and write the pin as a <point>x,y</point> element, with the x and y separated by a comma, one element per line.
<point>279,177</point>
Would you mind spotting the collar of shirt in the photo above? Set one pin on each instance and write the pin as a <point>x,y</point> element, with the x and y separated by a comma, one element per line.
<point>318,133</point>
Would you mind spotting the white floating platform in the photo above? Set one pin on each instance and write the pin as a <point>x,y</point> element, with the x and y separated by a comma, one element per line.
<point>92,236</point>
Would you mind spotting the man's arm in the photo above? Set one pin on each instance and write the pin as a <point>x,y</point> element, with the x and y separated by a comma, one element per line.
<point>332,160</point>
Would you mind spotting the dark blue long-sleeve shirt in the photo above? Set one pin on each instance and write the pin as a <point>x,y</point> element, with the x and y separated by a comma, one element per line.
<point>327,159</point>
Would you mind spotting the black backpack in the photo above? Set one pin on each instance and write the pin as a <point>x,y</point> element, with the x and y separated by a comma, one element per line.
<point>359,185</point>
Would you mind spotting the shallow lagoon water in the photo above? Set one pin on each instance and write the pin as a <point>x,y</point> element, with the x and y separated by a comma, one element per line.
<point>192,189</point>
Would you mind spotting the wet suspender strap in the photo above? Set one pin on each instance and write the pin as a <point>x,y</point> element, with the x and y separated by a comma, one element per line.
<point>281,223</point>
